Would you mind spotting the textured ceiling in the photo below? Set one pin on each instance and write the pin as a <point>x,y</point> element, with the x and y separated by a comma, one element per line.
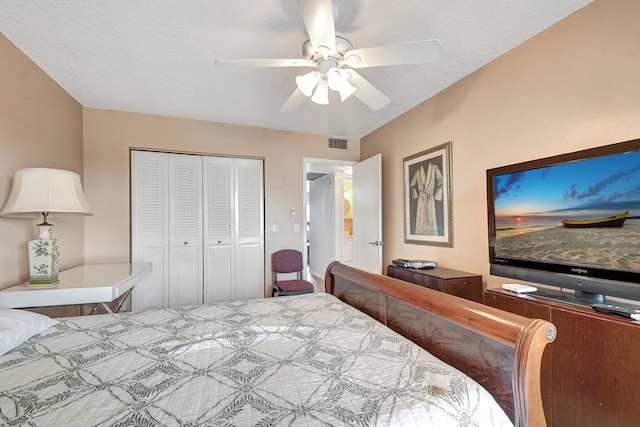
<point>157,56</point>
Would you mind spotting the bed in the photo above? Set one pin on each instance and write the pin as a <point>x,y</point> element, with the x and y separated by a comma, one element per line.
<point>300,360</point>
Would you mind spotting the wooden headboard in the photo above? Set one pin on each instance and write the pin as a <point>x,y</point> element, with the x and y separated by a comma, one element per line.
<point>500,350</point>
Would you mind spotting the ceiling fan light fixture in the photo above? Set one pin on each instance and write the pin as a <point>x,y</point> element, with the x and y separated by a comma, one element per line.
<point>335,61</point>
<point>335,77</point>
<point>338,80</point>
<point>346,90</point>
<point>321,94</point>
<point>308,82</point>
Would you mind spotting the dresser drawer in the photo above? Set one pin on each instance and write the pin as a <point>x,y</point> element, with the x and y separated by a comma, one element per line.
<point>458,283</point>
<point>434,283</point>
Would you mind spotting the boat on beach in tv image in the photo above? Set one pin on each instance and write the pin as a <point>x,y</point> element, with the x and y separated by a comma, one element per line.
<point>608,221</point>
<point>583,213</point>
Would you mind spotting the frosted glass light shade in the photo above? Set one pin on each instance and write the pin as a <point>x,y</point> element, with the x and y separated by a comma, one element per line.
<point>321,95</point>
<point>338,80</point>
<point>334,78</point>
<point>54,191</point>
<point>308,82</point>
<point>346,90</point>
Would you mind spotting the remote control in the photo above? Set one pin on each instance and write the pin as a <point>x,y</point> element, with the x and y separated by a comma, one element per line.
<point>519,288</point>
<point>631,313</point>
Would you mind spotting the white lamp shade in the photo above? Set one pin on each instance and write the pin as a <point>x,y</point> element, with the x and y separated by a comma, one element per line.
<point>338,80</point>
<point>37,190</point>
<point>346,89</point>
<point>321,94</point>
<point>308,82</point>
<point>334,78</point>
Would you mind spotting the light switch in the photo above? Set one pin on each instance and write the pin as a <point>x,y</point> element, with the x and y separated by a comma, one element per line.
<point>276,229</point>
<point>292,212</point>
<point>296,228</point>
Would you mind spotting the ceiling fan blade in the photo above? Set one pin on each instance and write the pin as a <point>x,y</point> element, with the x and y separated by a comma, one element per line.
<point>419,52</point>
<point>318,19</point>
<point>263,63</point>
<point>294,102</point>
<point>367,93</point>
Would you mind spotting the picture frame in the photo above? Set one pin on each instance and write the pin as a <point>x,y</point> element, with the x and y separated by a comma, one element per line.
<point>428,210</point>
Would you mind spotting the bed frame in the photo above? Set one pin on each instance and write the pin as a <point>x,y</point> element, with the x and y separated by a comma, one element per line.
<point>500,350</point>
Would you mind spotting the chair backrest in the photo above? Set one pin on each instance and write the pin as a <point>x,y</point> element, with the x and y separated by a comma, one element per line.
<point>287,261</point>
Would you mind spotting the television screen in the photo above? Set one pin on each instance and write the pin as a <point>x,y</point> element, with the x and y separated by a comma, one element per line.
<point>576,214</point>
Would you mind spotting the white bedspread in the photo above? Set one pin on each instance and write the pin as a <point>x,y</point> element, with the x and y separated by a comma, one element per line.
<point>299,361</point>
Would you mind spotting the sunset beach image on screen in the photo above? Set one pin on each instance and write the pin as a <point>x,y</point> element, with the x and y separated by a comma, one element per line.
<point>598,199</point>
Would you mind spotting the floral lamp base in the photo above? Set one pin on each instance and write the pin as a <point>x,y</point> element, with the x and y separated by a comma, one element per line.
<point>43,258</point>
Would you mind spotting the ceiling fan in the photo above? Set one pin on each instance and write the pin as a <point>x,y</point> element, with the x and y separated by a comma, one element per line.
<point>333,61</point>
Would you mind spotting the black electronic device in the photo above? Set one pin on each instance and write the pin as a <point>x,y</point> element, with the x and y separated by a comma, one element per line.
<point>414,263</point>
<point>632,313</point>
<point>569,221</point>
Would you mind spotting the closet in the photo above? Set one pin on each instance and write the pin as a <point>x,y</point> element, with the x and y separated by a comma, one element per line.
<point>200,221</point>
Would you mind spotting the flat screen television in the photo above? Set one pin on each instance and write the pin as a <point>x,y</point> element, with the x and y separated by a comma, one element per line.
<point>570,221</point>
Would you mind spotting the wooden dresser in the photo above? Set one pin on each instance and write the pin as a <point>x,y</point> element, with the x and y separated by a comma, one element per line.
<point>458,283</point>
<point>592,370</point>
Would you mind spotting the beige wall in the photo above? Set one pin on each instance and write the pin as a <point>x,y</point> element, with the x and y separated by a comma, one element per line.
<point>572,87</point>
<point>40,126</point>
<point>108,135</point>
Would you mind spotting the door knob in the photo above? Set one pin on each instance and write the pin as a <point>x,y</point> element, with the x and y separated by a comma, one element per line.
<point>376,243</point>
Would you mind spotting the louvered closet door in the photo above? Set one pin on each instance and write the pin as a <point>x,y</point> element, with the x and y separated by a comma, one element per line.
<point>200,221</point>
<point>150,226</point>
<point>185,229</point>
<point>249,194</point>
<point>219,213</point>
<point>234,224</point>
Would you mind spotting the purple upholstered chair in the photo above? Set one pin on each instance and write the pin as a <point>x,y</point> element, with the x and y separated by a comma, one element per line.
<point>289,261</point>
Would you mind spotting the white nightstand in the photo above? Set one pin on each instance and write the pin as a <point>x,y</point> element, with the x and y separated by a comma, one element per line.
<point>86,284</point>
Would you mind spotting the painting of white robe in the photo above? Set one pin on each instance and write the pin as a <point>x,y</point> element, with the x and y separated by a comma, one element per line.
<point>427,180</point>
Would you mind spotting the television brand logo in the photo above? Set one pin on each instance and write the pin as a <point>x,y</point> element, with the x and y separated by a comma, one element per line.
<point>579,271</point>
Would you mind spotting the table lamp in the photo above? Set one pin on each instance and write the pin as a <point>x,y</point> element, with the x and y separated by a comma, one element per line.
<point>46,192</point>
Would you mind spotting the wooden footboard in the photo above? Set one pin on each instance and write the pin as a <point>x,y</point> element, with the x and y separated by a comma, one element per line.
<point>500,350</point>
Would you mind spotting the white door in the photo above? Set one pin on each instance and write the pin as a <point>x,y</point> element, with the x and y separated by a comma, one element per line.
<point>185,229</point>
<point>367,214</point>
<point>200,221</point>
<point>234,229</point>
<point>249,229</point>
<point>219,212</point>
<point>150,226</point>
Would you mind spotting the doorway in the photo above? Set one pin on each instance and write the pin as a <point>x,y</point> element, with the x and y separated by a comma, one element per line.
<point>343,207</point>
<point>325,238</point>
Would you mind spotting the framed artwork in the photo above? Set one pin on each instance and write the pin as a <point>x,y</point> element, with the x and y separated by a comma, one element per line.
<point>428,216</point>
